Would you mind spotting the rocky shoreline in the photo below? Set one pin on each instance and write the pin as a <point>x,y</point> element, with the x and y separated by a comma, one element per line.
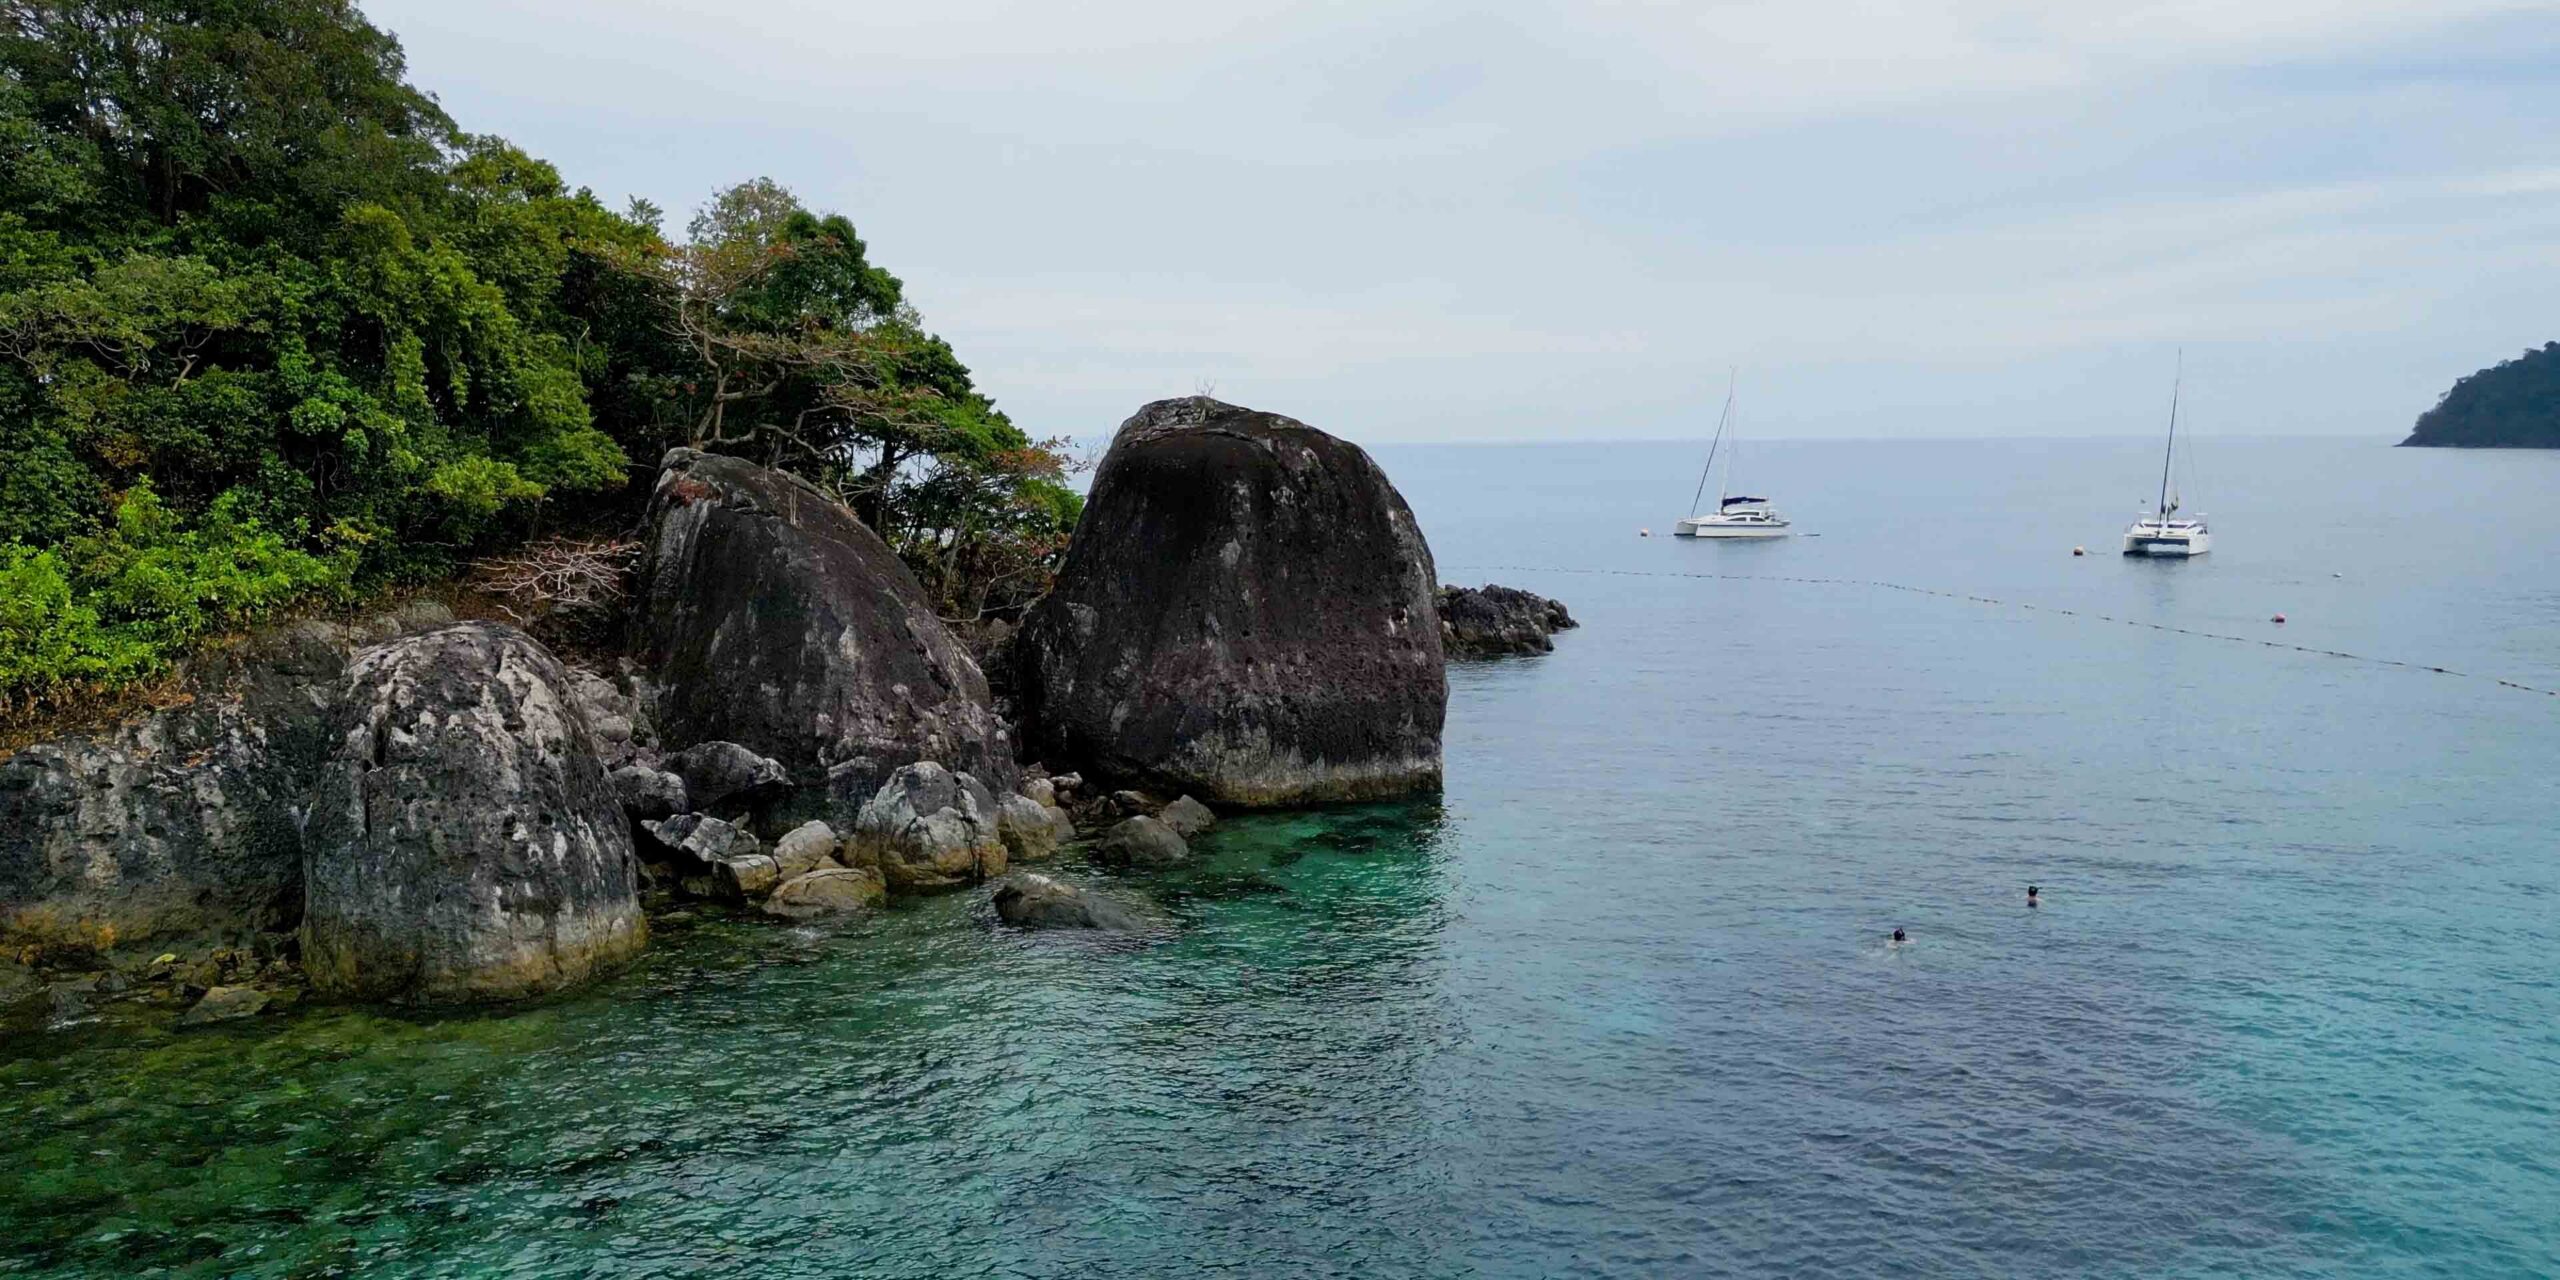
<point>420,810</point>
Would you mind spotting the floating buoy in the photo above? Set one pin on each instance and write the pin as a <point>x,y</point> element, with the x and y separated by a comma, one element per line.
<point>2079,551</point>
<point>2278,618</point>
<point>1644,533</point>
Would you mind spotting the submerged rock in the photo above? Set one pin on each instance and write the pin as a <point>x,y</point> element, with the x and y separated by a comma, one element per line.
<point>225,1004</point>
<point>929,828</point>
<point>773,618</point>
<point>183,820</point>
<point>1492,621</point>
<point>1142,842</point>
<point>1245,614</point>
<point>827,891</point>
<point>1029,900</point>
<point>464,842</point>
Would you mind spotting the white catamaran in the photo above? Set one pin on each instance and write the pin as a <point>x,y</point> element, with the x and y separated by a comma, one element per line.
<point>1736,515</point>
<point>2162,533</point>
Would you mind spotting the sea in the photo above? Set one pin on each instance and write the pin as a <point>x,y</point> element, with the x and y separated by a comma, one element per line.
<point>1620,1002</point>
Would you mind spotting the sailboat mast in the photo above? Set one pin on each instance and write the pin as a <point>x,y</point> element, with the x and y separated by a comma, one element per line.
<point>2172,448</point>
<point>1725,490</point>
<point>1732,376</point>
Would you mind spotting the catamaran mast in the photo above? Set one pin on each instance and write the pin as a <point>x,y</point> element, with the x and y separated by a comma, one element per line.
<point>2172,448</point>
<point>1731,377</point>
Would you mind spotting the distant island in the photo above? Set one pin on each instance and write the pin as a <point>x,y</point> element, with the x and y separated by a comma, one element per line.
<point>2514,404</point>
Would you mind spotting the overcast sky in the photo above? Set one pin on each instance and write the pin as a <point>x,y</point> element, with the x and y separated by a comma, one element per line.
<point>1431,221</point>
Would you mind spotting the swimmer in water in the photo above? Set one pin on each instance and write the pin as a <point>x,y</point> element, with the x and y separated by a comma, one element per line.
<point>1898,938</point>
<point>2031,897</point>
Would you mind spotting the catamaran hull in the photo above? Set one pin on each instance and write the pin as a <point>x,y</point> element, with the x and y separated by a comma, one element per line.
<point>2159,548</point>
<point>1685,529</point>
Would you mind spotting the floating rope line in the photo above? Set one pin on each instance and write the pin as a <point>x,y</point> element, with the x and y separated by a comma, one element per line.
<point>2020,604</point>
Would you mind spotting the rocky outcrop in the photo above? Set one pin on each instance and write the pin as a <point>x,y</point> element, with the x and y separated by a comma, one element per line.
<point>771,617</point>
<point>1029,900</point>
<point>181,821</point>
<point>1245,614</point>
<point>929,828</point>
<point>1142,842</point>
<point>1494,621</point>
<point>463,842</point>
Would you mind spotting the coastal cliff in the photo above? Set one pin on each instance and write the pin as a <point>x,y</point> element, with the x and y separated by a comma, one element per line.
<point>417,810</point>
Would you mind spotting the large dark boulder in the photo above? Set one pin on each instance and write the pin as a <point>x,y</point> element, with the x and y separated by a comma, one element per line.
<point>464,842</point>
<point>181,821</point>
<point>1245,614</point>
<point>1494,621</point>
<point>771,617</point>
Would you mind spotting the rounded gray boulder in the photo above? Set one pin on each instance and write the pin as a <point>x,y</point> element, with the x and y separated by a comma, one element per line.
<point>929,828</point>
<point>1142,842</point>
<point>1029,900</point>
<point>464,842</point>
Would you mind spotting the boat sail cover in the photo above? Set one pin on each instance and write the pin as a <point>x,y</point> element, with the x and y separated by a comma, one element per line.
<point>1735,502</point>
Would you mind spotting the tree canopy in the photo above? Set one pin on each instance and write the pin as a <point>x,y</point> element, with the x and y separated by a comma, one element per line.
<point>272,327</point>
<point>2512,404</point>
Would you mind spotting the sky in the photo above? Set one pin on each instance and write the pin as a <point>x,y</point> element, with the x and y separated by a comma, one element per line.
<point>1406,220</point>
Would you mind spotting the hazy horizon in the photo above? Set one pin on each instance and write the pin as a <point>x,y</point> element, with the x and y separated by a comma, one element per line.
<point>1419,221</point>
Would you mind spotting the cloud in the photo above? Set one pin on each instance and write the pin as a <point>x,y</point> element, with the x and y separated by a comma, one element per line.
<point>1432,220</point>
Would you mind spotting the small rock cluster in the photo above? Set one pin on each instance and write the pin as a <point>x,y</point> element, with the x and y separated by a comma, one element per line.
<point>1496,621</point>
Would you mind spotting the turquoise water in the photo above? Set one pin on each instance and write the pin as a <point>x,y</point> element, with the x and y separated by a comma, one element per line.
<point>1618,1003</point>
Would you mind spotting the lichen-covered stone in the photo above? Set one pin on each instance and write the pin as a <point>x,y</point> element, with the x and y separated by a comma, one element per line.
<point>182,821</point>
<point>464,842</point>
<point>695,841</point>
<point>805,848</point>
<point>827,891</point>
<point>726,777</point>
<point>771,617</point>
<point>1245,614</point>
<point>650,794</point>
<point>1187,817</point>
<point>929,828</point>
<point>1031,831</point>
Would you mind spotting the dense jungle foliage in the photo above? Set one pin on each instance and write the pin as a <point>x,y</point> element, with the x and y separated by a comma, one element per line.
<point>273,330</point>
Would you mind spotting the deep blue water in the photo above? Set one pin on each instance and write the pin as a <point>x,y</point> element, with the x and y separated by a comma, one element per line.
<point>1620,1003</point>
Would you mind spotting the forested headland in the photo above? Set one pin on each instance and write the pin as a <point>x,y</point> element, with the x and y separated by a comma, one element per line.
<point>276,331</point>
<point>2514,404</point>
